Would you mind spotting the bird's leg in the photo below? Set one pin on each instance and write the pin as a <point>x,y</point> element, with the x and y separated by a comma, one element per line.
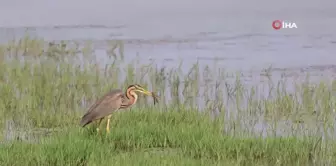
<point>99,122</point>
<point>108,124</point>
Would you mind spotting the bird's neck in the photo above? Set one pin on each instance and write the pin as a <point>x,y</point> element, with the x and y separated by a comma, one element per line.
<point>132,96</point>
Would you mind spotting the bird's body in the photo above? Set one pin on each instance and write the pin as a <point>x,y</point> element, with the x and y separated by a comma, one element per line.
<point>111,102</point>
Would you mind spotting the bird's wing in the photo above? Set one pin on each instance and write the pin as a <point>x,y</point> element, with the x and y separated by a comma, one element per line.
<point>103,107</point>
<point>106,96</point>
<point>125,102</point>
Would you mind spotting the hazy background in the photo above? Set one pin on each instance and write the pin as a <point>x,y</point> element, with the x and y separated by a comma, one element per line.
<point>237,35</point>
<point>238,31</point>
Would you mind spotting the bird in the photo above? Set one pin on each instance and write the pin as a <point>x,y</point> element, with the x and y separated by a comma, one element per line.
<point>112,102</point>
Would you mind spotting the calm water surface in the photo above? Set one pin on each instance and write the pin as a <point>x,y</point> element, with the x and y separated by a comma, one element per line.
<point>236,34</point>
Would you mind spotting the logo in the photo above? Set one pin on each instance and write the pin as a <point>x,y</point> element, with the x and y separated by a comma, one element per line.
<point>278,24</point>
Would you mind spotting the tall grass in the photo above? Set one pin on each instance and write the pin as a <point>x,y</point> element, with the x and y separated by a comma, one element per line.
<point>199,119</point>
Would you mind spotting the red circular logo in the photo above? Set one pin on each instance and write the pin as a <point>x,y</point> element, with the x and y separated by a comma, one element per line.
<point>277,24</point>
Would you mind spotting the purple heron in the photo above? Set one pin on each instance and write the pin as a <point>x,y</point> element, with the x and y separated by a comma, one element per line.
<point>112,102</point>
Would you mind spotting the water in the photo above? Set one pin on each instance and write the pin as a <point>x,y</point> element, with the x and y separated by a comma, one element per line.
<point>236,34</point>
<point>239,32</point>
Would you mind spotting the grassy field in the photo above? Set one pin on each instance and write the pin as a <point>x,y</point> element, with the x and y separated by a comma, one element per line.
<point>43,97</point>
<point>150,137</point>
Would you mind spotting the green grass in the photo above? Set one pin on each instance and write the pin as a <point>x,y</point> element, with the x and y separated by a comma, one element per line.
<point>43,98</point>
<point>168,138</point>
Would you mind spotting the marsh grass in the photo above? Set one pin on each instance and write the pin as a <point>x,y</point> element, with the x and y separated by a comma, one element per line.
<point>154,137</point>
<point>204,115</point>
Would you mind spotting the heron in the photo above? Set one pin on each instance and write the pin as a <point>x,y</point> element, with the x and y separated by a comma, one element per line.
<point>112,102</point>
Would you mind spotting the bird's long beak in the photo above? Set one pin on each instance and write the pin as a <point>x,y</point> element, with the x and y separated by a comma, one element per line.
<point>146,92</point>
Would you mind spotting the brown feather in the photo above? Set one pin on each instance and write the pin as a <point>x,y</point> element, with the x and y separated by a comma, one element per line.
<point>111,102</point>
<point>105,106</point>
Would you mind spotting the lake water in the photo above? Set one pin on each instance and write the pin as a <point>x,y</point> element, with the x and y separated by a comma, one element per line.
<point>236,34</point>
<point>239,33</point>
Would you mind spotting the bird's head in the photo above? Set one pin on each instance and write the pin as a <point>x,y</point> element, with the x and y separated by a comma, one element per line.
<point>138,88</point>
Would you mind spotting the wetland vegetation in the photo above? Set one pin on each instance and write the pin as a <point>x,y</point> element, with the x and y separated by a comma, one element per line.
<point>205,116</point>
